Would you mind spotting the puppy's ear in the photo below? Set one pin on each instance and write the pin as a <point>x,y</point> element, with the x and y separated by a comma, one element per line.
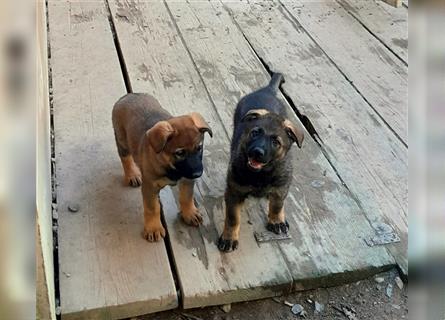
<point>294,132</point>
<point>159,135</point>
<point>254,114</point>
<point>200,123</point>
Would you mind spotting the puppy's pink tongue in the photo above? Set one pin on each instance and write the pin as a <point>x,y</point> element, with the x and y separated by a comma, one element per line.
<point>255,164</point>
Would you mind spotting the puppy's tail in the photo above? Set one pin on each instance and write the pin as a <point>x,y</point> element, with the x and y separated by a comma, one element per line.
<point>276,81</point>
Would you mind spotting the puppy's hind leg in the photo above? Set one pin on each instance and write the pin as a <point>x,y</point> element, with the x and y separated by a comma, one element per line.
<point>189,212</point>
<point>132,174</point>
<point>276,218</point>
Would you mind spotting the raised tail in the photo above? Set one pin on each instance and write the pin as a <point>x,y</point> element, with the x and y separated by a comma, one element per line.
<point>276,81</point>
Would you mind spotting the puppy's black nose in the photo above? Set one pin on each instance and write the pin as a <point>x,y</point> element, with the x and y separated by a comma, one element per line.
<point>257,153</point>
<point>196,174</point>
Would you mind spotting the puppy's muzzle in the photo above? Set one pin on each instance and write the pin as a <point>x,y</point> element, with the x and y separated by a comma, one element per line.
<point>191,167</point>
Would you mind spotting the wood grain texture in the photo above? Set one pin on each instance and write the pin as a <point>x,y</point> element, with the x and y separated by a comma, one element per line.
<point>388,24</point>
<point>369,158</point>
<point>107,270</point>
<point>371,68</point>
<point>158,63</point>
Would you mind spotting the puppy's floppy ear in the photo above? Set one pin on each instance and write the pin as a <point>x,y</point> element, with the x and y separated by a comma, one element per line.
<point>159,135</point>
<point>254,114</point>
<point>294,132</point>
<point>200,123</point>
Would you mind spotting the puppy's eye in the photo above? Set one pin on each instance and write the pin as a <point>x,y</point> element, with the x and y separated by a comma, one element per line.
<point>255,132</point>
<point>276,143</point>
<point>180,153</point>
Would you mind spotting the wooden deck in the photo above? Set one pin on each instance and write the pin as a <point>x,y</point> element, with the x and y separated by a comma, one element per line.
<point>345,63</point>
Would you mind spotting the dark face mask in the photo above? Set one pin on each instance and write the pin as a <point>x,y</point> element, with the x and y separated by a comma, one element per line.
<point>190,167</point>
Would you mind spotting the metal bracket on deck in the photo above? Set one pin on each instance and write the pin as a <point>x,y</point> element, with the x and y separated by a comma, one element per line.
<point>268,236</point>
<point>383,238</point>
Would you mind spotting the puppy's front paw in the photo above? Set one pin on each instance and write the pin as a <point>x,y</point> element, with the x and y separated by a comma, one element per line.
<point>226,245</point>
<point>281,227</point>
<point>191,216</point>
<point>153,233</point>
<point>133,180</point>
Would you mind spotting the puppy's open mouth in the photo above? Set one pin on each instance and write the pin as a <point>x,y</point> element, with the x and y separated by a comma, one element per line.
<point>256,165</point>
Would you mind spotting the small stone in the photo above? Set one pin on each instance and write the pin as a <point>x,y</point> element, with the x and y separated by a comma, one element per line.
<point>194,254</point>
<point>318,307</point>
<point>58,310</point>
<point>378,287</point>
<point>297,309</point>
<point>399,282</point>
<point>67,274</point>
<point>396,306</point>
<point>389,290</point>
<point>317,183</point>
<point>73,207</point>
<point>379,279</point>
<point>309,301</point>
<point>226,307</point>
<point>249,222</point>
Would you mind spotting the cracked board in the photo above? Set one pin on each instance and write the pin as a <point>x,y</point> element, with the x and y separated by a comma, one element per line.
<point>375,72</point>
<point>368,157</point>
<point>158,63</point>
<point>209,74</point>
<point>389,24</point>
<point>106,269</point>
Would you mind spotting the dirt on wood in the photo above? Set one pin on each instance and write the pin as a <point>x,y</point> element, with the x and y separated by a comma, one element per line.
<point>367,299</point>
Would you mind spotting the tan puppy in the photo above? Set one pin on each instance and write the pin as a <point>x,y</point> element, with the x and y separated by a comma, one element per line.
<point>156,150</point>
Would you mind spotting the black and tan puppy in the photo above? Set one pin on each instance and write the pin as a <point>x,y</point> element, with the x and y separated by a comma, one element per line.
<point>156,150</point>
<point>260,165</point>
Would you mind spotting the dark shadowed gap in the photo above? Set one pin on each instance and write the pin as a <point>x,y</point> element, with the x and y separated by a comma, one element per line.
<point>118,49</point>
<point>55,221</point>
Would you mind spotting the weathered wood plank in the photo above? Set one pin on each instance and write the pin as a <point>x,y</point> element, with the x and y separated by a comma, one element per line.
<point>388,24</point>
<point>325,247</point>
<point>158,63</point>
<point>377,74</point>
<point>369,158</point>
<point>45,294</point>
<point>107,270</point>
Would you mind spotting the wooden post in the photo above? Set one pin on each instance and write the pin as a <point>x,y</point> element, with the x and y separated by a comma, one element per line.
<point>45,304</point>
